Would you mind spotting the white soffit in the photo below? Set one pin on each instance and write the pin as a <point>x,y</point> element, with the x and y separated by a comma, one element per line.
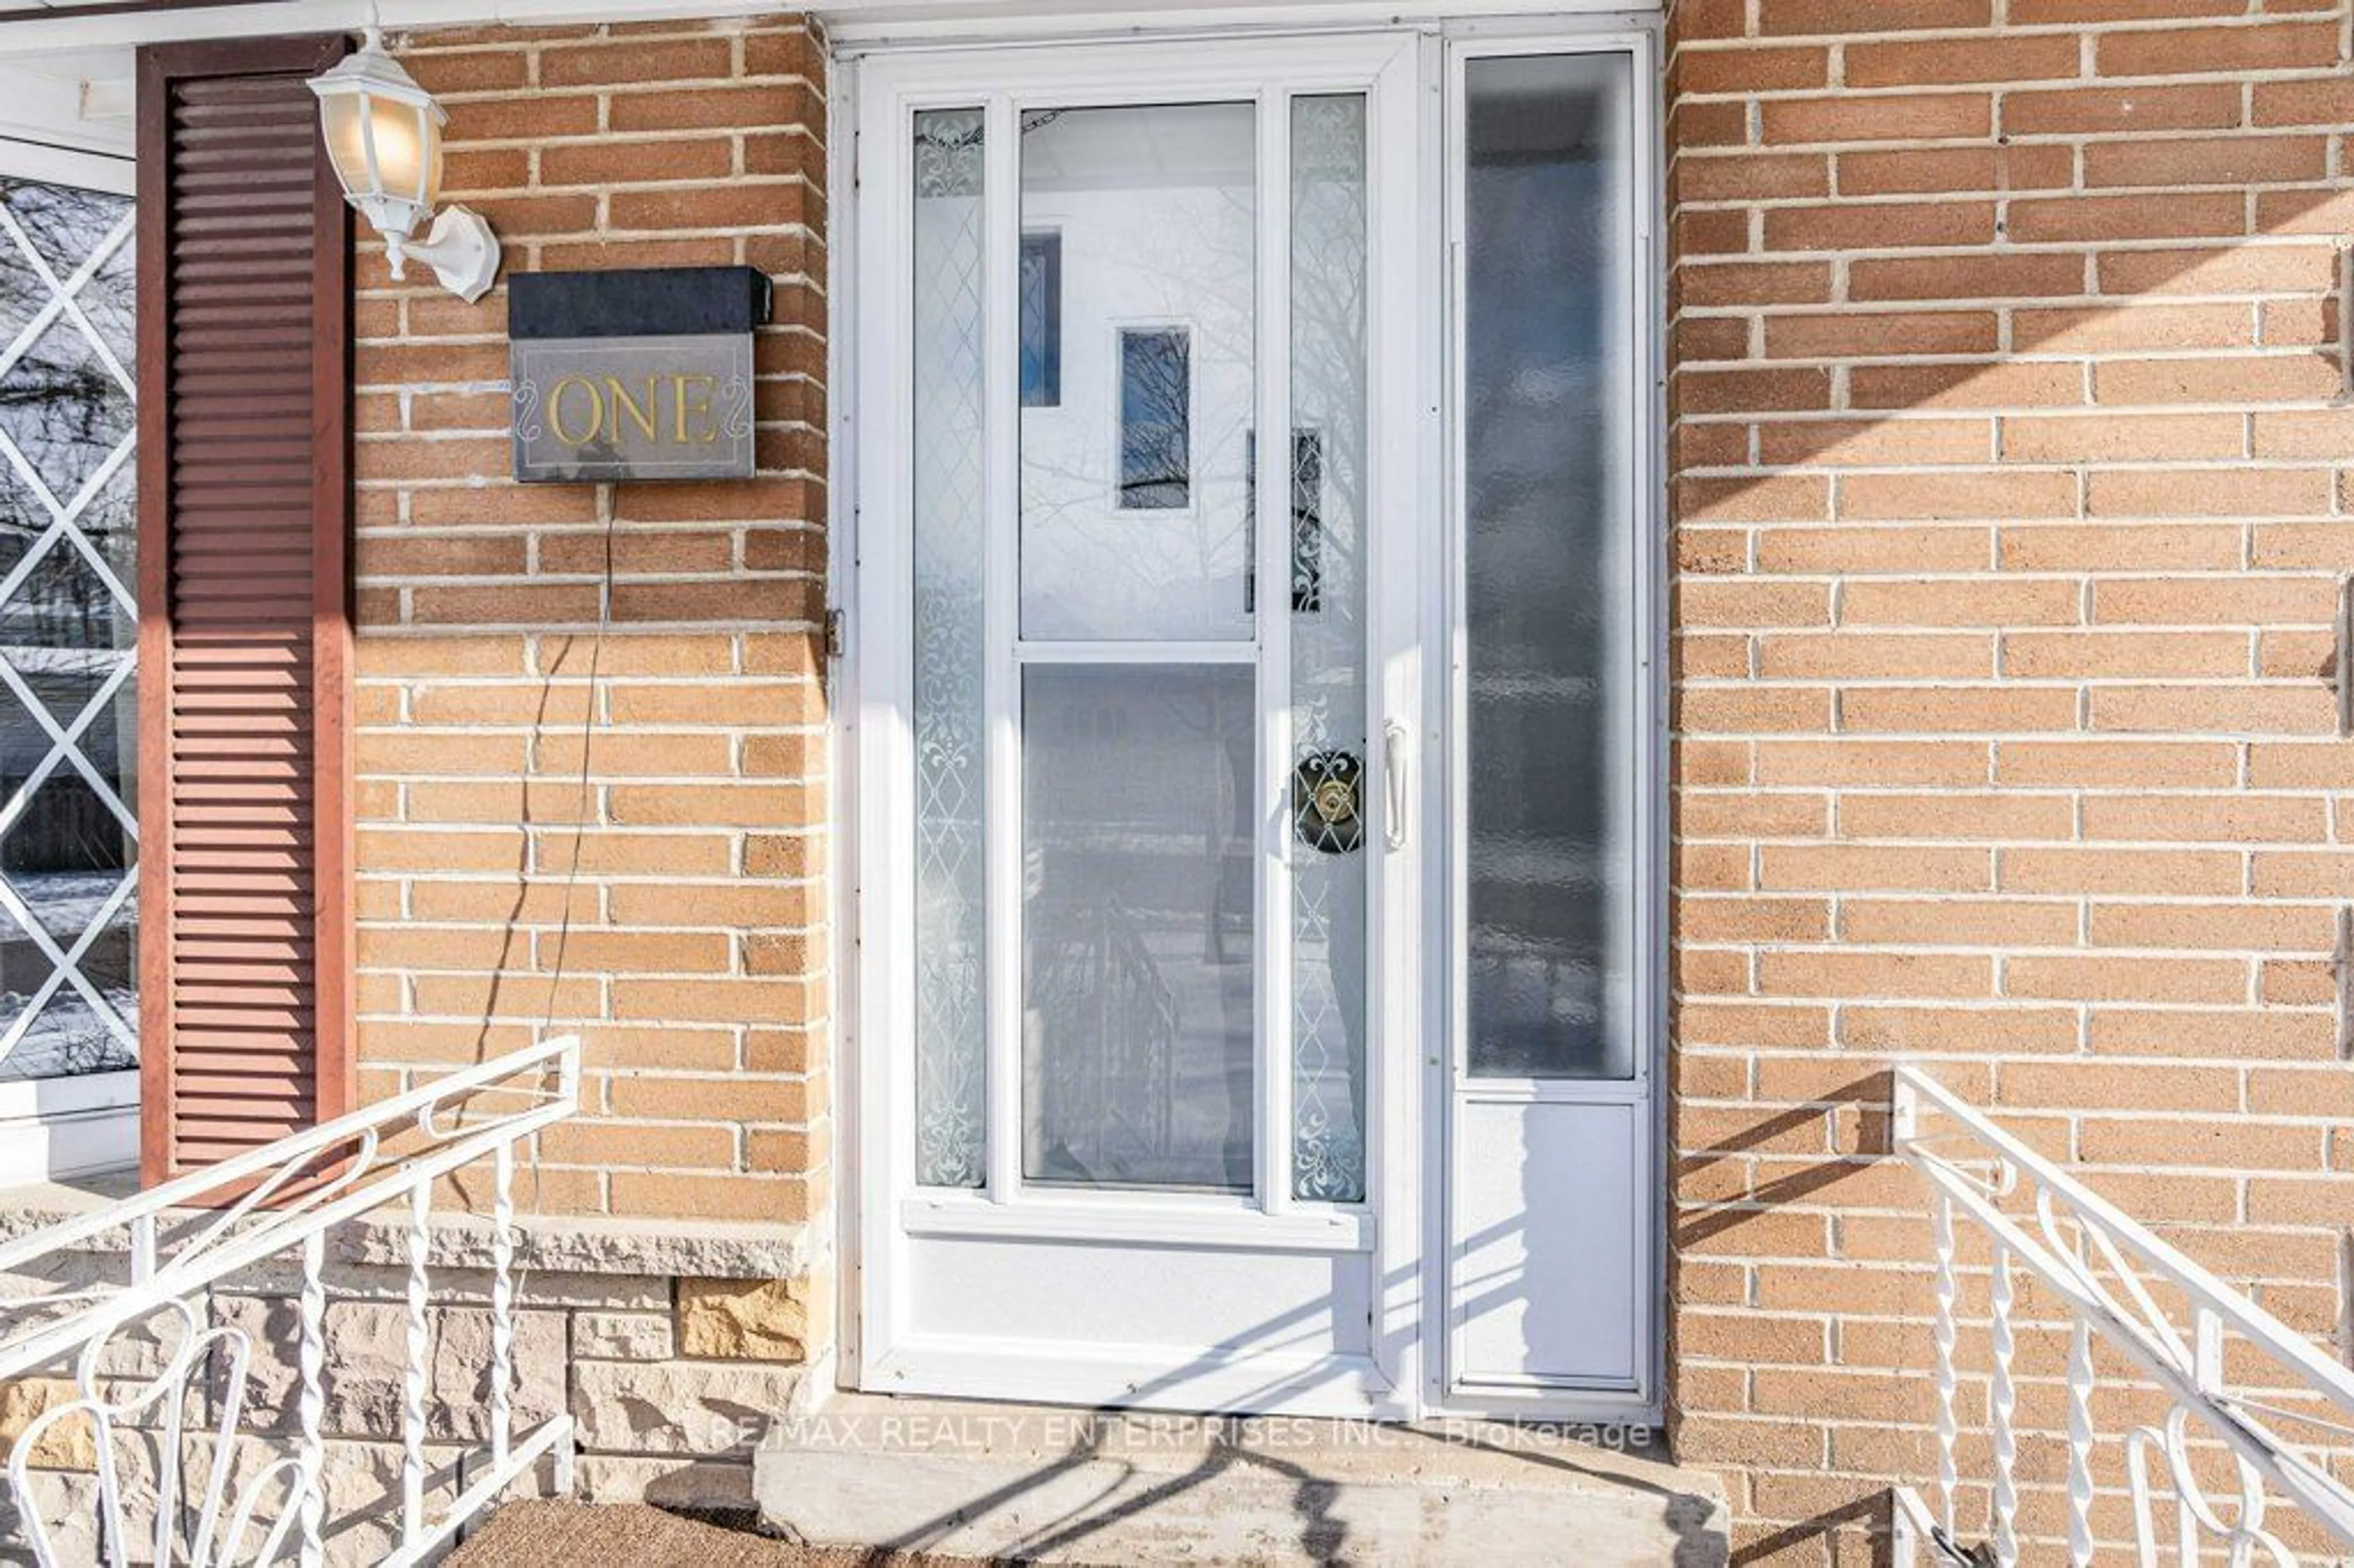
<point>27,28</point>
<point>80,99</point>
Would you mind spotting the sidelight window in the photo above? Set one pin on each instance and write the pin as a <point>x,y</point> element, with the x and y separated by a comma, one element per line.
<point>69,634</point>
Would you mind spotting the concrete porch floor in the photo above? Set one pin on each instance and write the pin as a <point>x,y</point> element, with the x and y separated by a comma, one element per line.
<point>1030,1484</point>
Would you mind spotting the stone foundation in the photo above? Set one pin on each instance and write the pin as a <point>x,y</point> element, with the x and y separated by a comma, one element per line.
<point>673,1353</point>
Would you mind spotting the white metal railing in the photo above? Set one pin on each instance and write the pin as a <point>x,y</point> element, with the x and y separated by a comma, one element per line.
<point>2176,1323</point>
<point>186,1237</point>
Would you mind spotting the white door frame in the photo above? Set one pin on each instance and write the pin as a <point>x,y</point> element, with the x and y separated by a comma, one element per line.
<point>1412,959</point>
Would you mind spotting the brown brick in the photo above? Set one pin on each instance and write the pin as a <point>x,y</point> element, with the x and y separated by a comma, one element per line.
<point>1782,18</point>
<point>2121,111</point>
<point>636,61</point>
<point>2026,57</point>
<point>2249,270</point>
<point>2109,438</point>
<point>1854,226</point>
<point>1994,817</point>
<point>1924,117</point>
<point>1914,171</point>
<point>1976,277</point>
<point>1951,922</point>
<point>2081,655</point>
<point>1751,70</point>
<point>2176,215</point>
<point>1844,867</point>
<point>2088,871</point>
<point>628,163</point>
<point>2186,51</point>
<point>2221,160</point>
<point>1995,710</point>
<point>2130,324</point>
<point>1854,333</point>
<point>1982,602</point>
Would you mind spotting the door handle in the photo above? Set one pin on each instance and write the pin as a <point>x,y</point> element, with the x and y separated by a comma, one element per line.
<point>1394,782</point>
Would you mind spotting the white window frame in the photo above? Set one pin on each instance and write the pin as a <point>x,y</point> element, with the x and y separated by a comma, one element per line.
<point>54,1129</point>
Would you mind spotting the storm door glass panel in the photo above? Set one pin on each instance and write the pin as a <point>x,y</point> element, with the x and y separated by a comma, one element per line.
<point>69,635</point>
<point>1136,483</point>
<point>1548,587</point>
<point>1139,969</point>
<point>1326,598</point>
<point>950,796</point>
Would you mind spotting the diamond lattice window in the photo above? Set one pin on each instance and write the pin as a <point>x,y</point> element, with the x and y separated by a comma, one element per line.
<point>69,633</point>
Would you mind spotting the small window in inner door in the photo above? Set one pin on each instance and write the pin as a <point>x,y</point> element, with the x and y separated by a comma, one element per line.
<point>1042,319</point>
<point>1156,419</point>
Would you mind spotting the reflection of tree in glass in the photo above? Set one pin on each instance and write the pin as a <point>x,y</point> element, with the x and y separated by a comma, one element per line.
<point>1156,420</point>
<point>63,408</point>
<point>1157,208</point>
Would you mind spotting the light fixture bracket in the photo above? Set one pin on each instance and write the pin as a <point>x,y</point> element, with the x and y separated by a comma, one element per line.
<point>461,248</point>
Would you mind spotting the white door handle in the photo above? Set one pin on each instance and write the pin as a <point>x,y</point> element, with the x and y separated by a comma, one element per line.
<point>1394,781</point>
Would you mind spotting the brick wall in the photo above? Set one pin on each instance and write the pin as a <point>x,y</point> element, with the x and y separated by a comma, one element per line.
<point>2011,489</point>
<point>687,918</point>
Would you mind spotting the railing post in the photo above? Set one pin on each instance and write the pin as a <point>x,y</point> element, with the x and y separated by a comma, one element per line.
<point>313,1361</point>
<point>2005,1399</point>
<point>1949,1473</point>
<point>142,1248</point>
<point>2080,1444</point>
<point>412,1377</point>
<point>2207,1351</point>
<point>502,1301</point>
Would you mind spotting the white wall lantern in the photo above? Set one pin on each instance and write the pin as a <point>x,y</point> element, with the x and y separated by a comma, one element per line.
<point>384,134</point>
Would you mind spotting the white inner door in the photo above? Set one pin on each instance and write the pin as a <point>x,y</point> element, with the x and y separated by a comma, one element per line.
<point>1254,724</point>
<point>1126,457</point>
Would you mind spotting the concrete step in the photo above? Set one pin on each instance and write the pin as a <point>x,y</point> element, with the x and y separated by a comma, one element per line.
<point>1039,1484</point>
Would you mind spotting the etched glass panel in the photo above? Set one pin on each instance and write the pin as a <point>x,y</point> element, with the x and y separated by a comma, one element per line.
<point>952,1148</point>
<point>69,635</point>
<point>1549,582</point>
<point>1136,487</point>
<point>1329,706</point>
<point>1139,939</point>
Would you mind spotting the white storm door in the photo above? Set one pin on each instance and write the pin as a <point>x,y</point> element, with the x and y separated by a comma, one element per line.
<point>1131,450</point>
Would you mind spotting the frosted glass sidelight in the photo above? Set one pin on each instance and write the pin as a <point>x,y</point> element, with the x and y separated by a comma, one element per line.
<point>1135,483</point>
<point>1138,934</point>
<point>950,504</point>
<point>1549,581</point>
<point>1327,604</point>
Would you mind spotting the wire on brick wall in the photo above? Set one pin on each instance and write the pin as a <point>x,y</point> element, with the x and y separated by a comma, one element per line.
<point>606,512</point>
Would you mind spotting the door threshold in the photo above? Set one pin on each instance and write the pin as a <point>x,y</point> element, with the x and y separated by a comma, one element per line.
<point>1249,1382</point>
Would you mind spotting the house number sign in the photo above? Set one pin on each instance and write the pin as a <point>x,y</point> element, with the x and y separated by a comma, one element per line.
<point>634,375</point>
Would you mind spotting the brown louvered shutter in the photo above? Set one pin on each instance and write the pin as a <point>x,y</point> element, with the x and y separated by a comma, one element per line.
<point>244,645</point>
